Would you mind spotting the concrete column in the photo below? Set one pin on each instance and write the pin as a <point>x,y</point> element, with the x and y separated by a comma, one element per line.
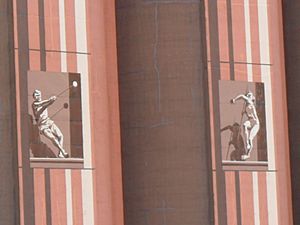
<point>8,144</point>
<point>292,59</point>
<point>164,112</point>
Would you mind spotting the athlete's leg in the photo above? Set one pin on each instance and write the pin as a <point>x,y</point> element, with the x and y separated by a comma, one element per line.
<point>58,134</point>
<point>253,133</point>
<point>247,126</point>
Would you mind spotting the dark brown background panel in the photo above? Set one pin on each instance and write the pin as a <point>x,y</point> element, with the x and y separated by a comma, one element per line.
<point>292,59</point>
<point>65,112</point>
<point>164,125</point>
<point>8,143</point>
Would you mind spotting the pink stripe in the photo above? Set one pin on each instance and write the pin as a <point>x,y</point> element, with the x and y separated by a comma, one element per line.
<point>71,35</point>
<point>58,197</point>
<point>255,40</point>
<point>263,203</point>
<point>231,198</point>
<point>52,35</point>
<point>223,30</point>
<point>39,196</point>
<point>77,197</point>
<point>21,196</point>
<point>34,63</point>
<point>239,39</point>
<point>33,24</point>
<point>246,195</point>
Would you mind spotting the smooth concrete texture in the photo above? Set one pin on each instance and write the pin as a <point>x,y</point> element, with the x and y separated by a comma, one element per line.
<point>164,112</point>
<point>292,59</point>
<point>8,143</point>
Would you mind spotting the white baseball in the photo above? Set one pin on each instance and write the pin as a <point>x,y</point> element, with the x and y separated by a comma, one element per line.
<point>74,83</point>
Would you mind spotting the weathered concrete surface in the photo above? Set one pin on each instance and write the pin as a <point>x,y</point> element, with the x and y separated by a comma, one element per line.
<point>164,112</point>
<point>292,57</point>
<point>8,144</point>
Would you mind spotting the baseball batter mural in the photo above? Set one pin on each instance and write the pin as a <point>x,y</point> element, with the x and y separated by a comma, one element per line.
<point>251,125</point>
<point>46,126</point>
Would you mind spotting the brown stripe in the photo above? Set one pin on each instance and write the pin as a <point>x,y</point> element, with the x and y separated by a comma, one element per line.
<point>23,66</point>
<point>230,39</point>
<point>215,76</point>
<point>41,24</point>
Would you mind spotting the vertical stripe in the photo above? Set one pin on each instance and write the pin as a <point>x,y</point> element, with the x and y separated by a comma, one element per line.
<point>238,196</point>
<point>21,197</point>
<point>62,30</point>
<point>266,77</point>
<point>248,40</point>
<point>77,197</point>
<point>41,8</point>
<point>256,198</point>
<point>69,197</point>
<point>216,215</point>
<point>266,73</point>
<point>230,39</point>
<point>272,198</point>
<point>246,195</point>
<point>58,197</point>
<point>48,197</point>
<point>82,68</point>
<point>231,198</point>
<point>87,197</point>
<point>263,204</point>
<point>40,197</point>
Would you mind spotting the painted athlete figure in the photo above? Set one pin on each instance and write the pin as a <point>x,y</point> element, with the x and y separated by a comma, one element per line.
<point>251,125</point>
<point>46,126</point>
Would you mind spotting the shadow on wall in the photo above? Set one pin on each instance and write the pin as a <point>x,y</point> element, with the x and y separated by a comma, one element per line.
<point>236,140</point>
<point>38,148</point>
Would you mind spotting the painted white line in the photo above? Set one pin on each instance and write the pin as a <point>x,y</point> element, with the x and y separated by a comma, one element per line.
<point>62,31</point>
<point>69,197</point>
<point>272,198</point>
<point>248,40</point>
<point>264,44</point>
<point>68,178</point>
<point>87,197</point>
<point>82,68</point>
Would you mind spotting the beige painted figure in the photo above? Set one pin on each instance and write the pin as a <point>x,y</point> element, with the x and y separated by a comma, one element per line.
<point>251,125</point>
<point>46,126</point>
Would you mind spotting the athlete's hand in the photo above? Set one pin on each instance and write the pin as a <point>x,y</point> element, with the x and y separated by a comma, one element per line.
<point>232,101</point>
<point>53,98</point>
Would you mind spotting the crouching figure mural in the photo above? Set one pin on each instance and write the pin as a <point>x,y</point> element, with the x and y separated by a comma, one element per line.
<point>251,124</point>
<point>46,126</point>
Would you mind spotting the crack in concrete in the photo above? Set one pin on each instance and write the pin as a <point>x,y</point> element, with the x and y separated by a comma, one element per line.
<point>155,57</point>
